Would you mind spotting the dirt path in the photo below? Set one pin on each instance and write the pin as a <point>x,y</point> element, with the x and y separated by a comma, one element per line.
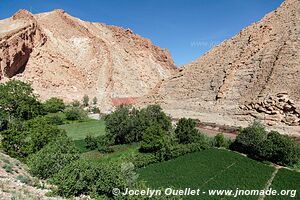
<point>212,133</point>
<point>269,183</point>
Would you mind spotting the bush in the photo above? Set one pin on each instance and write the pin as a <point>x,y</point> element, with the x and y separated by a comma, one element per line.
<point>23,179</point>
<point>221,141</point>
<point>8,168</point>
<point>144,159</point>
<point>52,158</point>
<point>75,113</point>
<point>54,105</point>
<point>90,177</point>
<point>95,110</point>
<point>186,131</point>
<point>91,142</point>
<point>55,119</point>
<point>75,103</point>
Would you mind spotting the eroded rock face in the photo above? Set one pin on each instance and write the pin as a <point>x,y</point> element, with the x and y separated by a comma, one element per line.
<point>18,37</point>
<point>259,63</point>
<point>66,57</point>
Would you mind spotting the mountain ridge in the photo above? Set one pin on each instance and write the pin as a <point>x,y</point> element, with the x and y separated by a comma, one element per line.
<point>66,57</point>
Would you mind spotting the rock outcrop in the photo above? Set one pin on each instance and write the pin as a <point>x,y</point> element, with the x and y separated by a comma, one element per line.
<point>66,57</point>
<point>255,74</point>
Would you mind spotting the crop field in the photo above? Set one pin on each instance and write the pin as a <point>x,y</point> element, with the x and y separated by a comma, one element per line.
<point>216,169</point>
<point>286,180</point>
<point>79,130</point>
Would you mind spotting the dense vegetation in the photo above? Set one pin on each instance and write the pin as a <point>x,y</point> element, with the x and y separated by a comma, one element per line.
<point>272,146</point>
<point>82,156</point>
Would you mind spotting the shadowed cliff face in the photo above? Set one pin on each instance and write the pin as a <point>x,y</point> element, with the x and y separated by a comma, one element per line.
<point>255,74</point>
<point>18,36</point>
<point>66,57</point>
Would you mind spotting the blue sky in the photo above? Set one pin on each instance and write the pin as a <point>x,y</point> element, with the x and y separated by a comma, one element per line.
<point>188,28</point>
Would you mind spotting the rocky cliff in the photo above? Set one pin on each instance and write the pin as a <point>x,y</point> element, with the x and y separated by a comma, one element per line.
<point>66,57</point>
<point>255,74</point>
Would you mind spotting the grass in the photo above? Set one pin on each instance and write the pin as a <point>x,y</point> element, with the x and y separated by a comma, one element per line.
<point>79,130</point>
<point>120,152</point>
<point>285,179</point>
<point>209,169</point>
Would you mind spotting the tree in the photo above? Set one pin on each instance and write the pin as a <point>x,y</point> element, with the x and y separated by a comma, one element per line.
<point>127,124</point>
<point>85,100</point>
<point>117,126</point>
<point>249,139</point>
<point>53,157</point>
<point>95,100</point>
<point>54,105</point>
<point>279,149</point>
<point>22,139</point>
<point>154,139</point>
<point>40,133</point>
<point>17,100</point>
<point>186,131</point>
<point>90,177</point>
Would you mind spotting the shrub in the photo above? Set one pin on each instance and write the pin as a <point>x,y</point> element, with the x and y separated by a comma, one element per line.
<point>75,103</point>
<point>75,113</point>
<point>55,119</point>
<point>54,105</point>
<point>104,149</point>
<point>52,158</point>
<point>23,179</point>
<point>13,143</point>
<point>144,159</point>
<point>186,131</point>
<point>221,141</point>
<point>8,168</point>
<point>90,177</point>
<point>91,142</point>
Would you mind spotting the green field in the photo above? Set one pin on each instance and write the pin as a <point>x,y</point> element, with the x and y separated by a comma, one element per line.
<point>79,130</point>
<point>285,180</point>
<point>206,170</point>
<point>211,169</point>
